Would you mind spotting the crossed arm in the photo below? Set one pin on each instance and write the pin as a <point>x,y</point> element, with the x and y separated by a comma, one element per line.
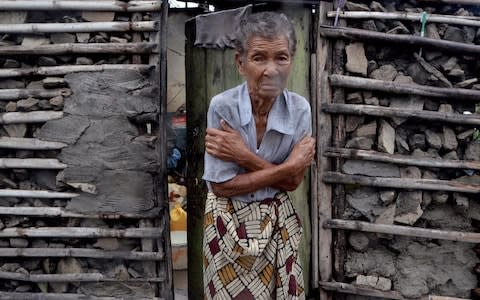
<point>227,144</point>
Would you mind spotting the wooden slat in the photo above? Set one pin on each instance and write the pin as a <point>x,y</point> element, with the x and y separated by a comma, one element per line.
<point>62,70</point>
<point>79,252</point>
<point>77,277</point>
<point>402,183</point>
<point>81,232</point>
<point>408,16</point>
<point>324,134</point>
<point>31,163</point>
<point>64,296</point>
<point>93,48</point>
<point>29,117</point>
<point>452,94</point>
<point>15,94</point>
<point>29,144</point>
<point>402,159</point>
<point>36,194</point>
<point>381,111</point>
<point>458,236</point>
<point>30,28</point>
<point>402,39</point>
<point>461,2</point>
<point>84,5</point>
<point>346,288</point>
<point>54,212</point>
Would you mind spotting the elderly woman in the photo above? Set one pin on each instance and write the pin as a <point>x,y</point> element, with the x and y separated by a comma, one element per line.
<point>258,146</point>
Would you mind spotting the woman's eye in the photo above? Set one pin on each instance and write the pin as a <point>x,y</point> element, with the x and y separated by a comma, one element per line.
<point>257,59</point>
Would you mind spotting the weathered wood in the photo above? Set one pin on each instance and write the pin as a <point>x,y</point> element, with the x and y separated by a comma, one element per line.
<point>77,277</point>
<point>402,183</point>
<point>82,232</point>
<point>461,2</point>
<point>29,117</point>
<point>458,236</point>
<point>62,70</point>
<point>15,94</point>
<point>79,252</point>
<point>402,159</point>
<point>29,144</point>
<point>323,138</point>
<point>452,94</point>
<point>54,212</point>
<point>30,28</point>
<point>92,48</point>
<point>31,163</point>
<point>403,39</point>
<point>408,16</point>
<point>64,296</point>
<point>346,288</point>
<point>109,5</point>
<point>380,111</point>
<point>36,194</point>
<point>136,37</point>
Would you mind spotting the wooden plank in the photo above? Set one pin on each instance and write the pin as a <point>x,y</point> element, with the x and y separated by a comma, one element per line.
<point>63,70</point>
<point>54,212</point>
<point>79,252</point>
<point>36,194</point>
<point>461,2</point>
<point>77,277</point>
<point>402,183</point>
<point>457,236</point>
<point>324,136</point>
<point>346,288</point>
<point>81,232</point>
<point>63,296</point>
<point>451,94</point>
<point>92,48</point>
<point>29,117</point>
<point>31,28</point>
<point>29,144</point>
<point>401,39</point>
<point>408,16</point>
<point>402,159</point>
<point>15,94</point>
<point>84,5</point>
<point>31,163</point>
<point>380,111</point>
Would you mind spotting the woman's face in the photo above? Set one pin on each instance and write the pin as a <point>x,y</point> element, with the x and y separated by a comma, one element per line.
<point>265,66</point>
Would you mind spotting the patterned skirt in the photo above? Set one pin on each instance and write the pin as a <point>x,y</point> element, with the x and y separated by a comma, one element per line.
<point>251,249</point>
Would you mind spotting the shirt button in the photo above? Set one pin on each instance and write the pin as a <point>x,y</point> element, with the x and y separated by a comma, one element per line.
<point>252,196</point>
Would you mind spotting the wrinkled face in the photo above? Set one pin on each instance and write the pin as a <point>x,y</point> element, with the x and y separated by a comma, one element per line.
<point>265,66</point>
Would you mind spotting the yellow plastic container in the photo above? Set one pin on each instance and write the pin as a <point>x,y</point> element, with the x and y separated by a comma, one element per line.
<point>178,218</point>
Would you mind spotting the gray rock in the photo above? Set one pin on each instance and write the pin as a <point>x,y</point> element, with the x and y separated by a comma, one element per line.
<point>426,199</point>
<point>456,72</point>
<point>440,197</point>
<point>356,59</point>
<point>372,101</point>
<point>385,72</point>
<point>356,6</point>
<point>388,196</point>
<point>57,101</point>
<point>434,140</point>
<point>410,172</point>
<point>414,103</point>
<point>370,25</point>
<point>472,152</point>
<point>352,122</point>
<point>83,37</point>
<point>83,61</point>
<point>354,98</point>
<point>363,143</point>
<point>387,216</point>
<point>18,243</point>
<point>431,105</point>
<point>376,6</point>
<point>403,79</point>
<point>451,63</point>
<point>446,108</point>
<point>408,207</point>
<point>466,83</point>
<point>366,201</point>
<point>11,84</point>
<point>455,34</point>
<point>62,38</point>
<point>402,145</point>
<point>377,260</point>
<point>54,82</point>
<point>29,104</point>
<point>432,31</point>
<point>95,16</point>
<point>34,41</point>
<point>417,141</point>
<point>13,17</point>
<point>15,130</point>
<point>11,106</point>
<point>386,138</point>
<point>358,167</point>
<point>450,155</point>
<point>461,203</point>
<point>449,139</point>
<point>107,244</point>
<point>46,61</point>
<point>359,241</point>
<point>11,63</point>
<point>418,73</point>
<point>367,130</point>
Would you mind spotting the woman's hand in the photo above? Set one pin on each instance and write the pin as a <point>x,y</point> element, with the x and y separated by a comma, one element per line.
<point>226,144</point>
<point>302,154</point>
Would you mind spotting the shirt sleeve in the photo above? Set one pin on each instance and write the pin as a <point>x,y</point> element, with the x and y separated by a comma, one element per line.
<point>304,125</point>
<point>217,170</point>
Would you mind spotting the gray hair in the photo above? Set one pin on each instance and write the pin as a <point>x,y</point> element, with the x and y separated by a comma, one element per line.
<point>269,25</point>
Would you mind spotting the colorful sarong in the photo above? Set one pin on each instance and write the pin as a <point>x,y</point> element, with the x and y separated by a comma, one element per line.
<point>251,249</point>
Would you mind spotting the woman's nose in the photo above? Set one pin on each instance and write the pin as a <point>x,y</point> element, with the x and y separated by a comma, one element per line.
<point>270,68</point>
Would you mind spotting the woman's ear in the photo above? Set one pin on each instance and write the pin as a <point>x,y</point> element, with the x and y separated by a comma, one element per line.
<point>239,60</point>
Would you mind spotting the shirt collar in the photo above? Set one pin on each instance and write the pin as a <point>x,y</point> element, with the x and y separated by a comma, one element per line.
<point>280,116</point>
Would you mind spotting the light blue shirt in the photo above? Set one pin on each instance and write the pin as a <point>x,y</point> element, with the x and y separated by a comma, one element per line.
<point>289,120</point>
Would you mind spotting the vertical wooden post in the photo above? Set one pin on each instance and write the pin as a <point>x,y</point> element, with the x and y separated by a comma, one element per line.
<point>164,267</point>
<point>136,38</point>
<point>324,132</point>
